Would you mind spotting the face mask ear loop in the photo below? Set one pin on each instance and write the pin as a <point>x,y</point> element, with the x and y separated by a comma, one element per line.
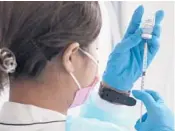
<point>75,80</point>
<point>90,56</point>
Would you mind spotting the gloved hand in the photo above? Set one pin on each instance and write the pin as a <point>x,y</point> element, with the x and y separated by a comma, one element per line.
<point>158,116</point>
<point>124,65</point>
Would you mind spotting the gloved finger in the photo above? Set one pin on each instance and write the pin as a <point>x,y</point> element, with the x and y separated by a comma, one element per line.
<point>144,117</point>
<point>156,30</point>
<point>145,97</point>
<point>159,17</point>
<point>155,95</point>
<point>129,42</point>
<point>135,21</point>
<point>138,123</point>
<point>153,47</point>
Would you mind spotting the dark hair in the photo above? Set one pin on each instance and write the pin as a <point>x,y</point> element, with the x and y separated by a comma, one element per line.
<point>37,31</point>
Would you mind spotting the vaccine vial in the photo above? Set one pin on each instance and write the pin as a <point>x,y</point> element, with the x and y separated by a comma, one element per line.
<point>147,28</point>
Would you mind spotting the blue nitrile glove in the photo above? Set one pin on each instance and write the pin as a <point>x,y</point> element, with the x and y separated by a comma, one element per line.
<point>84,124</point>
<point>158,116</point>
<point>124,66</point>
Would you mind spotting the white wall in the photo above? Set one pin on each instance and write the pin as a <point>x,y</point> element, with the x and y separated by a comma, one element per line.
<point>104,38</point>
<point>160,75</point>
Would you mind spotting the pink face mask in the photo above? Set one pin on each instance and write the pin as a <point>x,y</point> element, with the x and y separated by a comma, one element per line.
<point>83,93</point>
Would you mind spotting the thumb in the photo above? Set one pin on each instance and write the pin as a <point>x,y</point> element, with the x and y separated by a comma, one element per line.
<point>145,97</point>
<point>129,42</point>
<point>139,124</point>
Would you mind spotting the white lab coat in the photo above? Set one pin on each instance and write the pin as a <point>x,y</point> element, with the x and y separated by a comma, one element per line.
<point>21,117</point>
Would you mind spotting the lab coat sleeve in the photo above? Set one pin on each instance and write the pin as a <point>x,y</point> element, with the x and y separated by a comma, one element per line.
<point>95,107</point>
<point>87,124</point>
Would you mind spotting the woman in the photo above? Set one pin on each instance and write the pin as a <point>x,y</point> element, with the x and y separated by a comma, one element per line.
<point>48,40</point>
<point>49,51</point>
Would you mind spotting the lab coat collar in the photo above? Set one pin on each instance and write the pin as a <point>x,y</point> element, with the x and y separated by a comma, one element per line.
<point>16,113</point>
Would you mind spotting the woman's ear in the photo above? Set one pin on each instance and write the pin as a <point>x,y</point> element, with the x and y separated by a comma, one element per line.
<point>67,56</point>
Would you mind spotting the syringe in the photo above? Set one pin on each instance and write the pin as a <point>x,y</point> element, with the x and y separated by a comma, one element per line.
<point>143,73</point>
<point>147,29</point>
